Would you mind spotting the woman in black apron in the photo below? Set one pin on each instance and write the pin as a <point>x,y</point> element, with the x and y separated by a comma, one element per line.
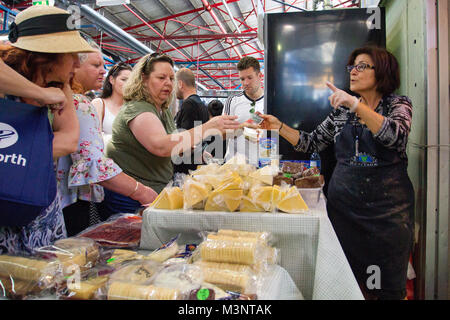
<point>370,196</point>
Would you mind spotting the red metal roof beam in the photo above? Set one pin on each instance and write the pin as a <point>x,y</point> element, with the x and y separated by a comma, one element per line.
<point>208,8</point>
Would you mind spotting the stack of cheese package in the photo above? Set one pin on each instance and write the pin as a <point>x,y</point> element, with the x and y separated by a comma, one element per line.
<point>236,261</point>
<point>226,265</point>
<point>44,272</point>
<point>233,186</point>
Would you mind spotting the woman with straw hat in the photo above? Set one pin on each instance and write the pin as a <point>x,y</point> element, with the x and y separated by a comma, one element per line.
<point>44,51</point>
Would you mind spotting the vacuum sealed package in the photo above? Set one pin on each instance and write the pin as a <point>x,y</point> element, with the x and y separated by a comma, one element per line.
<point>119,231</point>
<point>89,285</point>
<point>138,271</point>
<point>165,252</point>
<point>119,256</point>
<point>119,290</point>
<point>232,251</point>
<point>185,278</point>
<point>24,276</point>
<point>230,277</point>
<point>72,253</point>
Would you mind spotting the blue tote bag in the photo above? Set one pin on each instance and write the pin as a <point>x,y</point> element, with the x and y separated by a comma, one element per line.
<point>27,177</point>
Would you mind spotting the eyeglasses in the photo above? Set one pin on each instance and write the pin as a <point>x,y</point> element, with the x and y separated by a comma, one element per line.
<point>360,67</point>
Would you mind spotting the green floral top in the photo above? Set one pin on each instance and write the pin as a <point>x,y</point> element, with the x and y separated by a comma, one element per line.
<point>78,173</point>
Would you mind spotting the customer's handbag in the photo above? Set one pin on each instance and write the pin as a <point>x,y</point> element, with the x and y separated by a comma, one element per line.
<point>27,176</point>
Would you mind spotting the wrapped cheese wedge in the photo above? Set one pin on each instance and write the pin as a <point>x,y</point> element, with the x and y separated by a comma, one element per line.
<point>194,194</point>
<point>171,198</point>
<point>292,202</point>
<point>264,175</point>
<point>266,197</point>
<point>224,200</point>
<point>249,205</point>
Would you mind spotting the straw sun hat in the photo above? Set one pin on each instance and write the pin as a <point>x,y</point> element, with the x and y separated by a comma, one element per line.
<point>46,29</point>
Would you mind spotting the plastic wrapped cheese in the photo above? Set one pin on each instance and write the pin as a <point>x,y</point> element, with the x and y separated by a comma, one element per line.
<point>72,253</point>
<point>138,271</point>
<point>45,273</point>
<point>119,290</point>
<point>194,194</point>
<point>170,198</point>
<point>224,200</point>
<point>231,251</point>
<point>292,202</point>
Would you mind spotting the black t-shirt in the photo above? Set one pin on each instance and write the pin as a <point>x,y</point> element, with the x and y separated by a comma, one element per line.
<point>192,110</point>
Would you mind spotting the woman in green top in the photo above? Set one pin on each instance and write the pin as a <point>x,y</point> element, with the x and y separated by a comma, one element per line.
<point>143,134</point>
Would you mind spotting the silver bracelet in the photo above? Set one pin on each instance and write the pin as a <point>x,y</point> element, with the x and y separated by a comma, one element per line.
<point>135,189</point>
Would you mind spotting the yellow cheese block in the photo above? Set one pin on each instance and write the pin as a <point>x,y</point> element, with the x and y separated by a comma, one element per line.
<point>248,205</point>
<point>265,175</point>
<point>231,182</point>
<point>292,202</point>
<point>194,192</point>
<point>266,197</point>
<point>224,200</point>
<point>170,198</point>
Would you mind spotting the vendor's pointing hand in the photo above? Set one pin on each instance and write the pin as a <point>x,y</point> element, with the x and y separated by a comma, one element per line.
<point>342,98</point>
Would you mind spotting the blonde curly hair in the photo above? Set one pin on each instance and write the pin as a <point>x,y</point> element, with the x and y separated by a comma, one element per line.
<point>135,89</point>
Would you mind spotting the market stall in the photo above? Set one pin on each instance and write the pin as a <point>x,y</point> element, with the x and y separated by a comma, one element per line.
<point>309,248</point>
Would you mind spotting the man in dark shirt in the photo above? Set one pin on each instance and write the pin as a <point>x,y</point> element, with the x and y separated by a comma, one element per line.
<point>193,112</point>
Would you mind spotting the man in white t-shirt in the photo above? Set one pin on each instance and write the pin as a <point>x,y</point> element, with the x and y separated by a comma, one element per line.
<point>244,105</point>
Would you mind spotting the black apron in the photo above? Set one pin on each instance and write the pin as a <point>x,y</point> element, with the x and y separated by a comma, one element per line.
<point>371,206</point>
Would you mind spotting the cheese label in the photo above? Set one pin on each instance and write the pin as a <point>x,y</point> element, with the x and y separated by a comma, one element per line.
<point>202,294</point>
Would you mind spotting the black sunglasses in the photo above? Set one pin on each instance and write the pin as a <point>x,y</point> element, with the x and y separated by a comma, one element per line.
<point>117,67</point>
<point>360,67</point>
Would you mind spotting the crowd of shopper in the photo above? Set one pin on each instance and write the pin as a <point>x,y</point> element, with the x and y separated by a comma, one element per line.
<point>115,153</point>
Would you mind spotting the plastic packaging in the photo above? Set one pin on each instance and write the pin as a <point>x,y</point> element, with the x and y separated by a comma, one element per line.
<point>229,277</point>
<point>170,198</point>
<point>292,202</point>
<point>89,285</point>
<point>311,196</point>
<point>119,290</point>
<point>17,289</point>
<point>195,194</point>
<point>182,278</point>
<point>231,251</point>
<point>224,200</point>
<point>119,256</point>
<point>264,236</point>
<point>166,251</point>
<point>138,271</point>
<point>315,161</point>
<point>120,231</point>
<point>310,182</point>
<point>72,253</point>
<point>266,197</point>
<point>23,276</point>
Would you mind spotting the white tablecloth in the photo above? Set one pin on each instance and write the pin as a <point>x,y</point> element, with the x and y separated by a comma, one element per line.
<point>310,250</point>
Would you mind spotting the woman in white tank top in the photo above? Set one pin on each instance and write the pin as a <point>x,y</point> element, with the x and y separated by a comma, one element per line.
<point>111,99</point>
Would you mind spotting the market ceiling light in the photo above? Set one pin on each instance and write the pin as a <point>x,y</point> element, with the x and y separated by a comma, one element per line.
<point>111,2</point>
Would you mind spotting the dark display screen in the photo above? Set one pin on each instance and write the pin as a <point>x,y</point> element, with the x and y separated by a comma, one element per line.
<point>303,50</point>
